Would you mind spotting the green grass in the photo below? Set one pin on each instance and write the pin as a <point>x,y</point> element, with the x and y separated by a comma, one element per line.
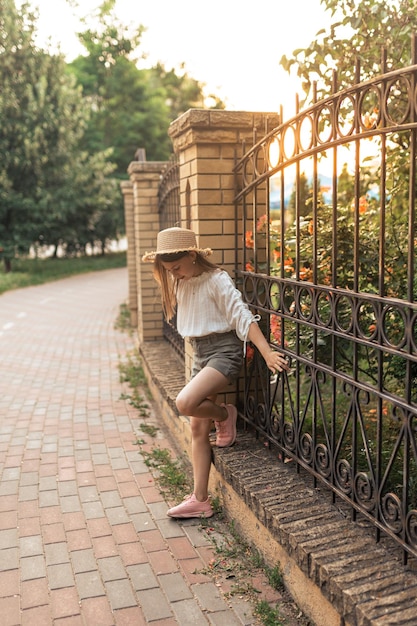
<point>26,272</point>
<point>131,372</point>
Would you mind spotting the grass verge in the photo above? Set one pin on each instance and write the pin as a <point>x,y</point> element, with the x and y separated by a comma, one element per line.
<point>27,272</point>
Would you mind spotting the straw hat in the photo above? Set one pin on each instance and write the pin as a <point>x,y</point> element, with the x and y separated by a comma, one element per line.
<point>173,240</point>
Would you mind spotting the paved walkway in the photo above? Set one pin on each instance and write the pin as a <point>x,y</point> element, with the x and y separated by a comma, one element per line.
<point>84,536</point>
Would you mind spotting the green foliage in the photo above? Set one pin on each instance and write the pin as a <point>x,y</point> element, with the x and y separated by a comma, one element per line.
<point>50,192</point>
<point>27,272</point>
<point>359,30</point>
<point>172,479</point>
<point>131,108</point>
<point>275,578</point>
<point>131,371</point>
<point>268,615</point>
<point>364,235</point>
<point>122,322</point>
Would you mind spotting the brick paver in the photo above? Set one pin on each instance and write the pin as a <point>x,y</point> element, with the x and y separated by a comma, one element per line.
<point>84,536</point>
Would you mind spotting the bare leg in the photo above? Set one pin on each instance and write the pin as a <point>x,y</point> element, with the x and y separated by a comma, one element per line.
<point>201,456</point>
<point>197,399</point>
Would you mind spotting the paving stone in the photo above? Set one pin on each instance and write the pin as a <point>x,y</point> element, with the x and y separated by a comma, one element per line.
<point>209,597</point>
<point>83,561</point>
<point>89,585</point>
<point>111,568</point>
<point>189,613</point>
<point>56,553</point>
<point>32,567</point>
<point>64,603</point>
<point>32,478</point>
<point>142,577</point>
<point>88,494</point>
<point>34,593</point>
<point>143,522</point>
<point>117,515</point>
<point>227,618</point>
<point>70,504</point>
<point>93,510</point>
<point>175,587</point>
<point>154,605</point>
<point>67,488</point>
<point>198,536</point>
<point>120,594</point>
<point>9,539</point>
<point>111,499</point>
<point>60,576</point>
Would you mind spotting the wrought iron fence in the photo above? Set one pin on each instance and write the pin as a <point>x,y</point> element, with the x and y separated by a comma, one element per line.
<point>170,215</point>
<point>169,195</point>
<point>328,228</point>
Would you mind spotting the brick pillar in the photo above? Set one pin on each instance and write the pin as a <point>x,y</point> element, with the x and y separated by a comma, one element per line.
<point>144,178</point>
<point>208,143</point>
<point>127,191</point>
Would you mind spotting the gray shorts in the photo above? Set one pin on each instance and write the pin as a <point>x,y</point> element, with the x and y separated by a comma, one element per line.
<point>222,351</point>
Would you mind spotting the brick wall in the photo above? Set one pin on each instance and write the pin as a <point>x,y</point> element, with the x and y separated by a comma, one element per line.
<point>144,177</point>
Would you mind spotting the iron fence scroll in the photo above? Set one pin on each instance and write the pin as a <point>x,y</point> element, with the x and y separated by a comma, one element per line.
<point>328,231</point>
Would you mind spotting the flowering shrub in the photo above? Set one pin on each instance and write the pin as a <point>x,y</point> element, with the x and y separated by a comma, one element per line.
<point>358,241</point>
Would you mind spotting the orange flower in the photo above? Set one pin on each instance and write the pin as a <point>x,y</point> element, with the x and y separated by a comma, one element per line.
<point>261,225</point>
<point>276,255</point>
<point>289,265</point>
<point>363,204</point>
<point>249,353</point>
<point>370,118</point>
<point>276,327</point>
<point>306,273</point>
<point>249,239</point>
<point>249,267</point>
<point>310,227</point>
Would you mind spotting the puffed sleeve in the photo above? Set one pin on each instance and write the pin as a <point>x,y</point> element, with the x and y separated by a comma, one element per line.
<point>230,303</point>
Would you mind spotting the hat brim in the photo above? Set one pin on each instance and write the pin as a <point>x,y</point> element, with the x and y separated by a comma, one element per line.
<point>148,257</point>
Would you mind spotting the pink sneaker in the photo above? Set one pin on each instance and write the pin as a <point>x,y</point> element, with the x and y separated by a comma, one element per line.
<point>226,431</point>
<point>191,507</point>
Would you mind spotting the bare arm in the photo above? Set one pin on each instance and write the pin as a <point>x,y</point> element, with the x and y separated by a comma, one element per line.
<point>274,360</point>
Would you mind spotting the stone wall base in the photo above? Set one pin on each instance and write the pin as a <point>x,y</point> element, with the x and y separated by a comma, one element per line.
<point>336,572</point>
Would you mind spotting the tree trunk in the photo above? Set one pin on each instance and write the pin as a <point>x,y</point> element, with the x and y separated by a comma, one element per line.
<point>7,265</point>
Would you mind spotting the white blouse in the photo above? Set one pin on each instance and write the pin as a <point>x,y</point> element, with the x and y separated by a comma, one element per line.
<point>210,303</point>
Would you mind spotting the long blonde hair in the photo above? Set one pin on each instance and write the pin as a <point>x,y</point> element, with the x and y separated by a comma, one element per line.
<point>168,284</point>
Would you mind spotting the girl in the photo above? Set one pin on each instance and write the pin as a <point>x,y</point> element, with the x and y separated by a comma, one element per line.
<point>211,313</point>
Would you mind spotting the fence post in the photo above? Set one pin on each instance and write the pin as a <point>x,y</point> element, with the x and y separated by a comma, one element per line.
<point>207,143</point>
<point>127,191</point>
<point>143,228</point>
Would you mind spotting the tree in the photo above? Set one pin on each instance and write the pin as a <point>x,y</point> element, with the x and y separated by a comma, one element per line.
<point>91,217</point>
<point>130,107</point>
<point>183,92</point>
<point>361,28</point>
<point>42,121</point>
<point>305,197</point>
<point>40,118</point>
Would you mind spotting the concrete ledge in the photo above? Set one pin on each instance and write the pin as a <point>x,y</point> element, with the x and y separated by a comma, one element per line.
<point>334,569</point>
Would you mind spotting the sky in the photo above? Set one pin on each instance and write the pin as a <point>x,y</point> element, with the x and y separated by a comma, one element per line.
<point>231,46</point>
